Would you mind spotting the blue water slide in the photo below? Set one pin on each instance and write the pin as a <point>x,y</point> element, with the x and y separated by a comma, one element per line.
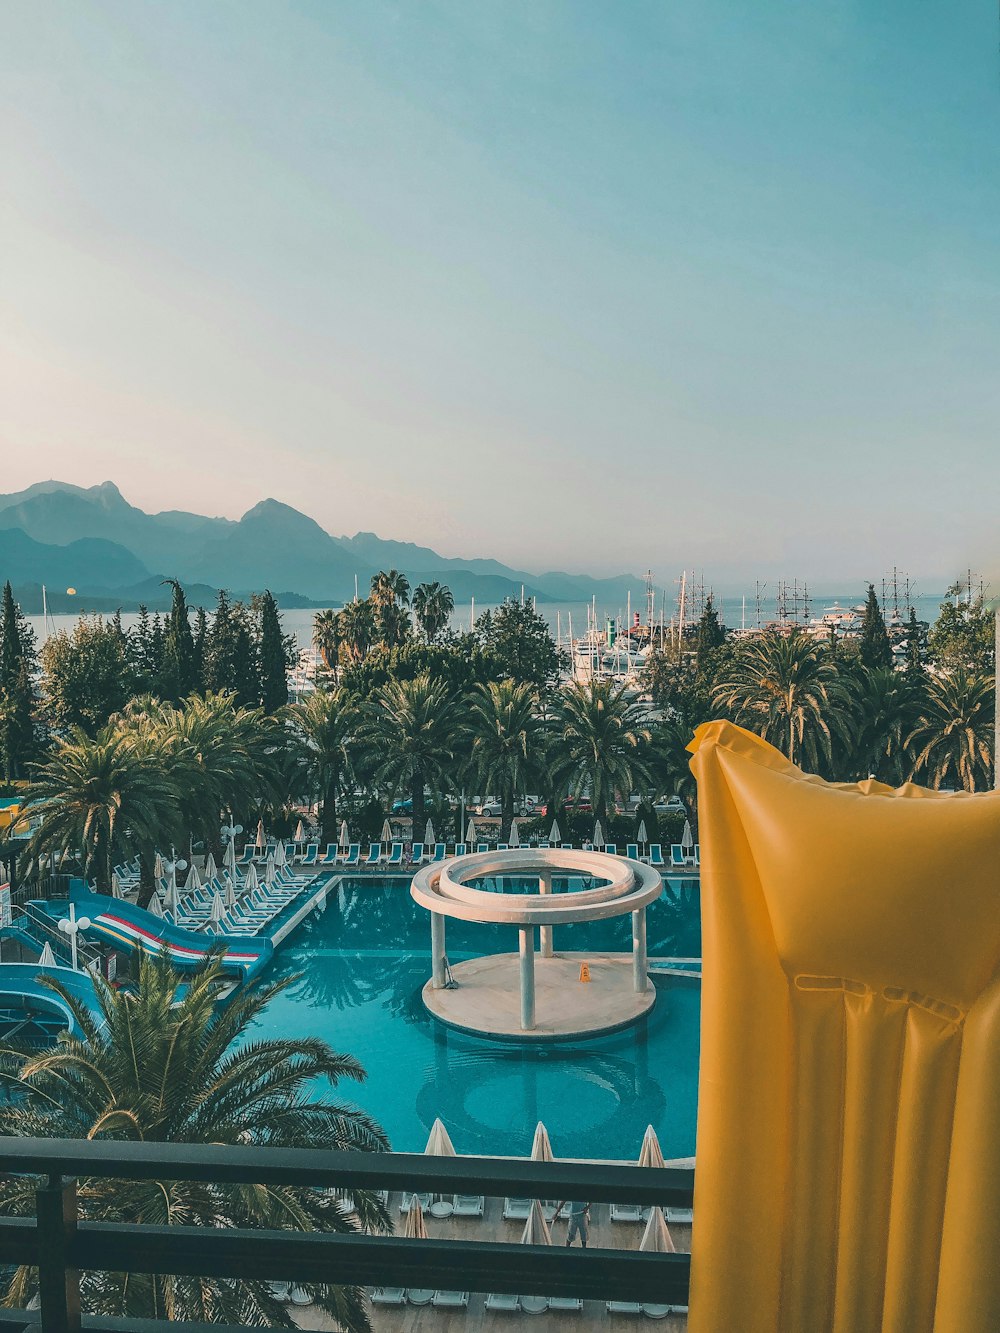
<point>132,929</point>
<point>21,988</point>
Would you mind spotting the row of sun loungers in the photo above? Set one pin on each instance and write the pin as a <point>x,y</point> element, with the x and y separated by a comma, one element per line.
<point>502,1302</point>
<point>680,857</point>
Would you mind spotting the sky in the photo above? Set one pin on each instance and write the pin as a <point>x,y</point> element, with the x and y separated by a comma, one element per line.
<point>581,285</point>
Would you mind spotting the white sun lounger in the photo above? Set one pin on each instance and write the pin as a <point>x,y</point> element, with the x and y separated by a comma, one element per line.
<point>388,1296</point>
<point>623,1307</point>
<point>469,1205</point>
<point>626,1212</point>
<point>681,1217</point>
<point>567,1304</point>
<point>502,1300</point>
<point>451,1300</point>
<point>516,1210</point>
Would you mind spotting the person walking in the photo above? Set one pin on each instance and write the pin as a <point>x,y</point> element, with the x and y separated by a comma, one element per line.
<point>579,1222</point>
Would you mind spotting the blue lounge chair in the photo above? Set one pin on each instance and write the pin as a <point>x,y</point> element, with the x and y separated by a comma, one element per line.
<point>329,857</point>
<point>656,854</point>
<point>417,854</point>
<point>247,856</point>
<point>611,848</point>
<point>632,851</point>
<point>312,854</point>
<point>374,856</point>
<point>566,846</point>
<point>482,846</point>
<point>459,848</point>
<point>395,855</point>
<point>353,856</point>
<point>677,858</point>
<point>697,855</point>
<point>503,846</point>
<point>440,849</point>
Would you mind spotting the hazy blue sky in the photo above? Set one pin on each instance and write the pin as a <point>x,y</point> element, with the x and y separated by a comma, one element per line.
<point>579,285</point>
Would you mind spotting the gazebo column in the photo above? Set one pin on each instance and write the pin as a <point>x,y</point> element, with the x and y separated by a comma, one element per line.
<point>437,951</point>
<point>639,969</point>
<point>527,952</point>
<point>545,932</point>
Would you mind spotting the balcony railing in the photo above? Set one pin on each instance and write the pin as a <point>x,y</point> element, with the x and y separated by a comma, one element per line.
<point>61,1247</point>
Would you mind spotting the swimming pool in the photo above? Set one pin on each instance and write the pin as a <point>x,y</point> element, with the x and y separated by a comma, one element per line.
<point>360,967</point>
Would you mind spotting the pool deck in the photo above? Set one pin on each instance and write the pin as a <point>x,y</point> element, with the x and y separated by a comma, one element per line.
<point>486,1000</point>
<point>604,1234</point>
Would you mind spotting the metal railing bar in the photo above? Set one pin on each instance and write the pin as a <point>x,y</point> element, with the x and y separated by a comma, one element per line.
<point>366,1260</point>
<point>494,1177</point>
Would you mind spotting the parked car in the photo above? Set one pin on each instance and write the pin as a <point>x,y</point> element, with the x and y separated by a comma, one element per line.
<point>491,809</point>
<point>673,805</point>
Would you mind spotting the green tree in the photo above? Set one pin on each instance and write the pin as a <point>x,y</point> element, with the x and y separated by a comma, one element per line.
<point>327,637</point>
<point>882,703</point>
<point>952,742</point>
<point>18,664</point>
<point>518,641</point>
<point>964,634</point>
<point>875,648</point>
<point>327,724</point>
<point>357,625</point>
<point>603,737</point>
<point>413,730</point>
<point>505,740</point>
<point>710,633</point>
<point>787,688</point>
<point>231,658</point>
<point>389,588</point>
<point>144,655</point>
<point>92,794</point>
<point>200,646</point>
<point>393,625</point>
<point>433,604</point>
<point>86,676</point>
<point>178,673</point>
<point>170,1064</point>
<point>273,653</point>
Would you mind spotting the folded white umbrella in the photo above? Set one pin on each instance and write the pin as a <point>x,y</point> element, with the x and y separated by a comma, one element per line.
<point>252,880</point>
<point>642,836</point>
<point>261,840</point>
<point>536,1229</point>
<point>300,832</point>
<point>47,958</point>
<point>650,1154</point>
<point>470,833</point>
<point>656,1237</point>
<point>515,837</point>
<point>158,870</point>
<point>439,1142</point>
<point>153,905</point>
<point>217,910</point>
<point>194,881</point>
<point>554,832</point>
<point>270,870</point>
<point>211,870</point>
<point>170,897</point>
<point>687,837</point>
<point>598,835</point>
<point>541,1148</point>
<point>229,856</point>
<point>414,1228</point>
<point>280,855</point>
<point>230,894</point>
<point>116,887</point>
<point>345,837</point>
<point>386,831</point>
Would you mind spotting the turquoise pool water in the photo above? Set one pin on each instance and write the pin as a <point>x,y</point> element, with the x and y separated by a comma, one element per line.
<point>360,967</point>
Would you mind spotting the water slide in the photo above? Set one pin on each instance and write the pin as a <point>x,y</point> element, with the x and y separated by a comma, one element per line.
<point>132,929</point>
<point>21,988</point>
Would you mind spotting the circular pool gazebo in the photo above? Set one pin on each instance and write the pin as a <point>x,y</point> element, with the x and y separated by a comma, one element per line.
<point>544,995</point>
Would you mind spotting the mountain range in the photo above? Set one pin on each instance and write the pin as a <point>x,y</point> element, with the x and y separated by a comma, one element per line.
<point>112,554</point>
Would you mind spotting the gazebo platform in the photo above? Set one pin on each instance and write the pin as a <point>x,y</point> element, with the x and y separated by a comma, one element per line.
<point>487,999</point>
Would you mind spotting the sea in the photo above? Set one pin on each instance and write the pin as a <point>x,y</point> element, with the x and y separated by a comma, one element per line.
<point>566,618</point>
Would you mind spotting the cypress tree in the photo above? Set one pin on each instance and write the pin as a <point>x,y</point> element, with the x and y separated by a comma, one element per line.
<point>272,656</point>
<point>200,646</point>
<point>178,675</point>
<point>218,671</point>
<point>876,650</point>
<point>18,663</point>
<point>245,682</point>
<point>156,636</point>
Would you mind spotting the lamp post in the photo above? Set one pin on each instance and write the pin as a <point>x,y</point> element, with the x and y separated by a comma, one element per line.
<point>71,926</point>
<point>174,864</point>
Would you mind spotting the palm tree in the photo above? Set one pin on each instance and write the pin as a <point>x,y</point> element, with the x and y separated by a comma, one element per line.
<point>327,637</point>
<point>507,743</point>
<point>393,625</point>
<point>413,730</point>
<point>787,689</point>
<point>433,604</point>
<point>92,794</point>
<point>327,724</point>
<point>602,741</point>
<point>167,1065</point>
<point>953,739</point>
<point>884,712</point>
<point>389,588</point>
<point>357,628</point>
